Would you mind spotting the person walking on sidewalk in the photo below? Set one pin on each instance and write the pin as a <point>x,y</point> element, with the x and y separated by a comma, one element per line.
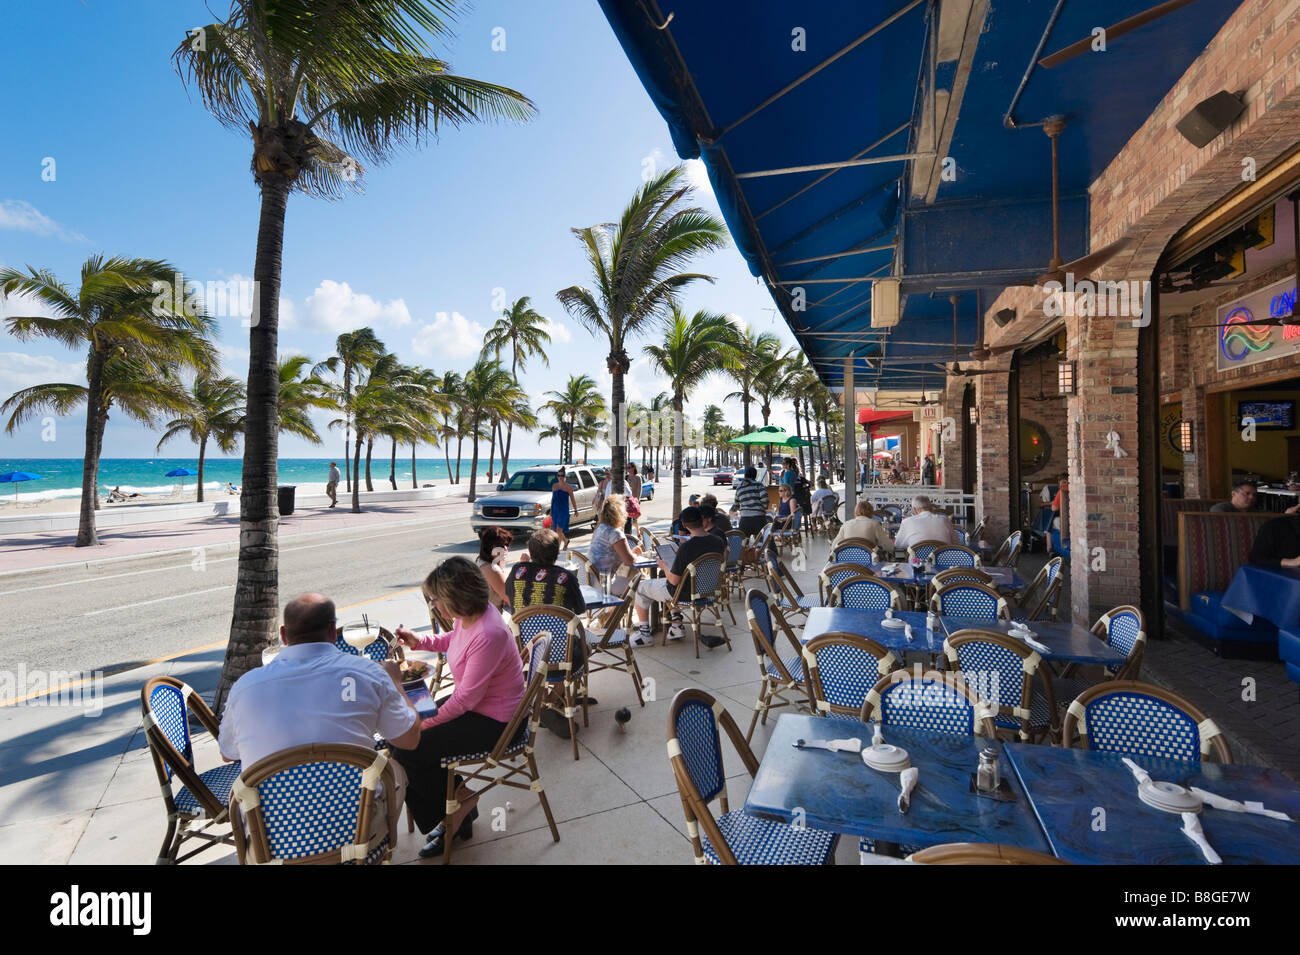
<point>332,485</point>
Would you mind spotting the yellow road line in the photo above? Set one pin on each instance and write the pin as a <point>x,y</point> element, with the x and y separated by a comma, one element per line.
<point>174,656</point>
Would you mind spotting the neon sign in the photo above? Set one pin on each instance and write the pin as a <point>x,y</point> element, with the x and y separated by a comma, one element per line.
<point>1241,336</point>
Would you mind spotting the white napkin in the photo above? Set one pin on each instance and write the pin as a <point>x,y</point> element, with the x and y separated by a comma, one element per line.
<point>1232,805</point>
<point>1192,829</point>
<point>853,745</point>
<point>1040,647</point>
<point>907,632</point>
<point>907,781</point>
<point>877,735</point>
<point>1142,776</point>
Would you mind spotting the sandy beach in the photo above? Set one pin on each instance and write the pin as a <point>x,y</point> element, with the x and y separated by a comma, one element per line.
<point>65,505</point>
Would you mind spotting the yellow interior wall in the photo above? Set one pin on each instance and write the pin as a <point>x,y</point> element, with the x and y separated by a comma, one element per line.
<point>1266,455</point>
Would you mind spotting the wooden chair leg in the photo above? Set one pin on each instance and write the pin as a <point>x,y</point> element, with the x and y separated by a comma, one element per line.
<point>634,671</point>
<point>759,707</point>
<point>541,796</point>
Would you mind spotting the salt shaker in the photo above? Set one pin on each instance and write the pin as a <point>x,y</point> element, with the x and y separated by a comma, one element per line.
<point>986,776</point>
<point>931,620</point>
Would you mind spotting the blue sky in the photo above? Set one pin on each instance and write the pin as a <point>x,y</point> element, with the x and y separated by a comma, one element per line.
<point>141,169</point>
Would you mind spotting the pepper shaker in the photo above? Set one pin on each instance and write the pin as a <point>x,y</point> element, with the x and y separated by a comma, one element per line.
<point>987,779</point>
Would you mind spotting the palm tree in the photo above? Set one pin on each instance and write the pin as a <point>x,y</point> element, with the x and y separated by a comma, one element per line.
<point>116,315</point>
<point>660,407</point>
<point>634,266</point>
<point>772,380</point>
<point>692,349</point>
<point>578,400</point>
<point>354,352</point>
<point>754,352</point>
<point>214,413</point>
<point>427,412</point>
<point>710,425</point>
<point>375,404</point>
<point>301,391</point>
<point>316,84</point>
<point>489,393</point>
<point>523,328</point>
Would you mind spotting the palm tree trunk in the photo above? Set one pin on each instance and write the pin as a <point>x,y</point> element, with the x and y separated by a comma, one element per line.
<point>492,451</point>
<point>617,452</point>
<point>86,536</point>
<point>473,466</point>
<point>203,447</point>
<point>392,467</point>
<point>370,446</point>
<point>446,456</point>
<point>257,583</point>
<point>677,452</point>
<point>745,399</point>
<point>459,439</point>
<point>414,482</point>
<point>356,470</point>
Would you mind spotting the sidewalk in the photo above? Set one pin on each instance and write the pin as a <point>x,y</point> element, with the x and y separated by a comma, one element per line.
<point>26,552</point>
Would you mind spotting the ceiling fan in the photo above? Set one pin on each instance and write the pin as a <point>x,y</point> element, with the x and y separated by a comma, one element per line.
<point>1112,32</point>
<point>1274,321</point>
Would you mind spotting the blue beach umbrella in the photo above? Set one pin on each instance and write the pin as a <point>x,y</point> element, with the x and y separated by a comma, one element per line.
<point>181,473</point>
<point>13,477</point>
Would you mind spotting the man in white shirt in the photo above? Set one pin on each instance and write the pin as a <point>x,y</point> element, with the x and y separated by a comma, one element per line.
<point>313,692</point>
<point>925,524</point>
<point>332,485</point>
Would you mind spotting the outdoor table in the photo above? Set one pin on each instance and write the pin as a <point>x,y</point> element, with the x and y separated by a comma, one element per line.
<point>838,792</point>
<point>1002,576</point>
<point>595,598</point>
<point>1068,642</point>
<point>1066,787</point>
<point>1269,592</point>
<point>871,624</point>
<point>904,573</point>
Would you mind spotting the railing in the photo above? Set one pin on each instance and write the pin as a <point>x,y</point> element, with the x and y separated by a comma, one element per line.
<point>962,507</point>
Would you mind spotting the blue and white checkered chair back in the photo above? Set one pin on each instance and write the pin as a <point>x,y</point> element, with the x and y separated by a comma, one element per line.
<point>376,650</point>
<point>1139,724</point>
<point>972,601</point>
<point>841,674</point>
<point>167,704</point>
<point>924,549</point>
<point>851,552</point>
<point>760,612</point>
<point>954,557</point>
<point>996,673</point>
<point>1123,630</point>
<point>551,620</point>
<point>834,574</point>
<point>1053,568</point>
<point>735,543</point>
<point>706,576</point>
<point>696,731</point>
<point>961,536</point>
<point>864,595</point>
<point>1010,548</point>
<point>923,704</point>
<point>828,505</point>
<point>963,575</point>
<point>310,808</point>
<point>764,535</point>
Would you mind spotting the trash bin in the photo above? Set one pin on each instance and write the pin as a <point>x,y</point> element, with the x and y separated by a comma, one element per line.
<point>285,495</point>
<point>686,472</point>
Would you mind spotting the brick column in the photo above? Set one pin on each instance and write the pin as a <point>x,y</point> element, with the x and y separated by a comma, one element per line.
<point>951,439</point>
<point>992,462</point>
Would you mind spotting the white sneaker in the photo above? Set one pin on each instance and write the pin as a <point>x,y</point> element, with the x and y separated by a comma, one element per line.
<point>642,637</point>
<point>676,631</point>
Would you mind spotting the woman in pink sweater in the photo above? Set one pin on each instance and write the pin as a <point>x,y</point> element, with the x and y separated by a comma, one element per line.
<point>484,661</point>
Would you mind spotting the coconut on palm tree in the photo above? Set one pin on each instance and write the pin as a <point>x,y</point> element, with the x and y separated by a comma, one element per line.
<point>635,267</point>
<point>316,84</point>
<point>117,315</point>
<point>215,414</point>
<point>693,348</point>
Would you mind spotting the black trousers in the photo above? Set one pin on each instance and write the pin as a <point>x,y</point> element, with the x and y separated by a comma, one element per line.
<point>426,780</point>
<point>749,526</point>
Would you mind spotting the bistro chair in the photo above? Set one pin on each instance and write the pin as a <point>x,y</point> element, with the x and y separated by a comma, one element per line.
<point>972,601</point>
<point>893,510</point>
<point>316,805</point>
<point>566,675</point>
<point>378,649</point>
<point>735,566</point>
<point>585,569</point>
<point>864,593</point>
<point>733,838</point>
<point>823,515</point>
<point>981,853</point>
<point>781,583</point>
<point>957,575</point>
<point>781,673</point>
<point>793,535</point>
<point>700,589</point>
<point>1008,555</point>
<point>608,645</point>
<point>757,565</point>
<point>441,672</point>
<point>840,669</point>
<point>955,555</point>
<point>834,574</point>
<point>510,762</point>
<point>852,549</point>
<point>1122,628</point>
<point>924,549</point>
<point>973,538</point>
<point>166,704</point>
<point>1001,671</point>
<point>1138,719</point>
<point>1042,595</point>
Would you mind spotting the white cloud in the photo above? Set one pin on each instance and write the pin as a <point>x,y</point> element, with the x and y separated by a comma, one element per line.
<point>334,307</point>
<point>699,178</point>
<point>560,334</point>
<point>20,370</point>
<point>449,336</point>
<point>25,217</point>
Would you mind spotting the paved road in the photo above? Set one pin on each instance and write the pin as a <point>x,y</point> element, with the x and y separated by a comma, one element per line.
<point>114,614</point>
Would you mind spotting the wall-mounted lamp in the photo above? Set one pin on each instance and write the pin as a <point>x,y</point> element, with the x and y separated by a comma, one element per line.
<point>1065,377</point>
<point>974,415</point>
<point>1185,436</point>
<point>1004,317</point>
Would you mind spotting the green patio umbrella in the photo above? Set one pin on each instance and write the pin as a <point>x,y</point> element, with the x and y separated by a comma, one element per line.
<point>773,436</point>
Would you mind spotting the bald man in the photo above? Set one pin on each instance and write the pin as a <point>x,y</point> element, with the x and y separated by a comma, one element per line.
<point>312,692</point>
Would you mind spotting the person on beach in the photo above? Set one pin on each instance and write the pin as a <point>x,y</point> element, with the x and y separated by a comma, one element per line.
<point>561,499</point>
<point>489,683</point>
<point>332,485</point>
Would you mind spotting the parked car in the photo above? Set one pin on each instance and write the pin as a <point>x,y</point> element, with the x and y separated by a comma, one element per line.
<point>523,503</point>
<point>723,476</point>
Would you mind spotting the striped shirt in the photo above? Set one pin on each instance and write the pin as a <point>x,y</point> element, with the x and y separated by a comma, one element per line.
<point>751,498</point>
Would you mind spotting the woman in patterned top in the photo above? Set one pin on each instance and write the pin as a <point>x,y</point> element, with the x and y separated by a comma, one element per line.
<point>537,582</point>
<point>610,549</point>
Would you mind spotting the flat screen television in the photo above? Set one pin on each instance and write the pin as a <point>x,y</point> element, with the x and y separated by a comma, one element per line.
<point>1275,415</point>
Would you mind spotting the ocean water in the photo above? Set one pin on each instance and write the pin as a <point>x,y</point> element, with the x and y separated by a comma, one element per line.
<point>61,477</point>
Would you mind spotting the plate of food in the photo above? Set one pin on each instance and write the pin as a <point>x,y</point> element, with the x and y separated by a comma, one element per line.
<point>414,671</point>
